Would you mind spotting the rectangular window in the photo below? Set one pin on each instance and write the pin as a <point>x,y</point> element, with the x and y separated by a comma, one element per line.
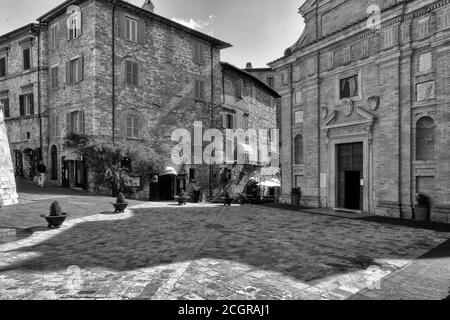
<point>131,29</point>
<point>446,18</point>
<point>199,52</point>
<point>54,77</point>
<point>26,104</point>
<point>229,121</point>
<point>53,36</point>
<point>27,59</point>
<point>239,89</point>
<point>74,25</point>
<point>349,87</point>
<point>75,122</point>
<point>270,82</point>
<point>2,67</point>
<point>200,90</point>
<point>132,71</point>
<point>74,71</point>
<point>5,103</point>
<point>191,174</point>
<point>132,127</point>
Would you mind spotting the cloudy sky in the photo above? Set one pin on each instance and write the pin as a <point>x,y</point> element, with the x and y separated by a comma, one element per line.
<point>260,30</point>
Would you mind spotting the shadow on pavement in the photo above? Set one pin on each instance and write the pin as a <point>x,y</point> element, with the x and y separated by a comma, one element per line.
<point>292,244</point>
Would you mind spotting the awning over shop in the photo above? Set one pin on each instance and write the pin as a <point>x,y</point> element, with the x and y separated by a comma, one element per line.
<point>273,183</point>
<point>169,171</point>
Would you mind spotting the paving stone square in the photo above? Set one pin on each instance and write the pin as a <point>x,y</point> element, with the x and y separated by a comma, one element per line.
<point>206,251</point>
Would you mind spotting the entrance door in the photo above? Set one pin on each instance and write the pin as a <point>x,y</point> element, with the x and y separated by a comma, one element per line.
<point>167,187</point>
<point>350,174</point>
<point>54,157</point>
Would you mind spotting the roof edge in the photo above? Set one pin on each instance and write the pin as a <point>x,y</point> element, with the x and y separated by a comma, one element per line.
<point>219,43</point>
<point>262,83</point>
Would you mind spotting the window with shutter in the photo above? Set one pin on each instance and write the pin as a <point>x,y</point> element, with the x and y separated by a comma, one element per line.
<point>54,77</point>
<point>200,90</point>
<point>131,29</point>
<point>132,127</point>
<point>198,52</point>
<point>53,37</point>
<point>5,103</point>
<point>74,71</point>
<point>74,26</point>
<point>26,104</point>
<point>132,73</point>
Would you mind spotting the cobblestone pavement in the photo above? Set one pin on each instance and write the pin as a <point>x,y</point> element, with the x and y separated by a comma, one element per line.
<point>162,251</point>
<point>35,201</point>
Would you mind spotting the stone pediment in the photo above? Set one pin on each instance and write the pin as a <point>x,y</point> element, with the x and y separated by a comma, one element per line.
<point>346,115</point>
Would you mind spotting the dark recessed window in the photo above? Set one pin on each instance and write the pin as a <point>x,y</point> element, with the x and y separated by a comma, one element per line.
<point>3,67</point>
<point>349,87</point>
<point>271,82</point>
<point>27,59</point>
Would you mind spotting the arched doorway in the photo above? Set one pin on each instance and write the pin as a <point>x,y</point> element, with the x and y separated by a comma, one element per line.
<point>29,164</point>
<point>18,164</point>
<point>54,163</point>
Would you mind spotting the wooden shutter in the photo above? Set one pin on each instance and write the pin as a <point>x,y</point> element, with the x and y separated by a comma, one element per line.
<point>56,75</point>
<point>6,107</point>
<point>69,125</point>
<point>22,105</point>
<point>50,40</point>
<point>81,122</point>
<point>31,97</point>
<point>141,31</point>
<point>121,24</point>
<point>80,24</point>
<point>195,51</point>
<point>136,73</point>
<point>68,72</point>
<point>81,68</point>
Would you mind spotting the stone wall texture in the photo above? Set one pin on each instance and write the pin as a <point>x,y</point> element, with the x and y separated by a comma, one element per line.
<point>8,194</point>
<point>403,76</point>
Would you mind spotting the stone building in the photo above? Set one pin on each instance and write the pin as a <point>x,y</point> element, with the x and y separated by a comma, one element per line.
<point>23,94</point>
<point>365,98</point>
<point>166,76</point>
<point>248,103</point>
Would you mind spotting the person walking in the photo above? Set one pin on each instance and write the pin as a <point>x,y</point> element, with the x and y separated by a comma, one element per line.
<point>42,170</point>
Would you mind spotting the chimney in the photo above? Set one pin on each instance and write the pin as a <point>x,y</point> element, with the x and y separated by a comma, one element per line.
<point>148,5</point>
<point>249,66</point>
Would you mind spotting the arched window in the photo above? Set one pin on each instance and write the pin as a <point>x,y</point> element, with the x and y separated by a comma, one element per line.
<point>73,22</point>
<point>425,139</point>
<point>298,149</point>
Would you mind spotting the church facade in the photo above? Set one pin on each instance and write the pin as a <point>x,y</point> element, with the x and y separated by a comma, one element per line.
<point>366,107</point>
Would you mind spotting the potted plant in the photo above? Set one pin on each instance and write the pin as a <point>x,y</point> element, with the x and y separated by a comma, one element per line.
<point>56,217</point>
<point>120,204</point>
<point>422,208</point>
<point>296,196</point>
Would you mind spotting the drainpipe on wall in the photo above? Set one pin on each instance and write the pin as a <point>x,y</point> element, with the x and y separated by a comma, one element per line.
<point>113,71</point>
<point>38,34</point>
<point>211,167</point>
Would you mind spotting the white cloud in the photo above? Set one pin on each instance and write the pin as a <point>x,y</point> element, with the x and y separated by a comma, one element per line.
<point>196,24</point>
